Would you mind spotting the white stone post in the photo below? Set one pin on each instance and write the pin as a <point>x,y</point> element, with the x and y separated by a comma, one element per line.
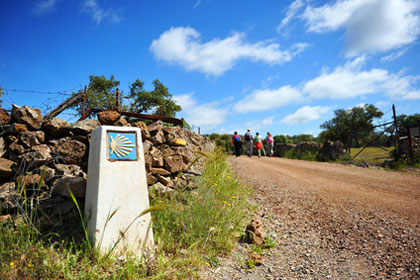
<point>117,187</point>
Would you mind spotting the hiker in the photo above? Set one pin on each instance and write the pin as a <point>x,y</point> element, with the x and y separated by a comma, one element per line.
<point>258,144</point>
<point>237,144</point>
<point>270,144</point>
<point>248,142</point>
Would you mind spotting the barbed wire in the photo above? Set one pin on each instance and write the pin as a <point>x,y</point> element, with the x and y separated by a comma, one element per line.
<point>46,104</point>
<point>64,92</point>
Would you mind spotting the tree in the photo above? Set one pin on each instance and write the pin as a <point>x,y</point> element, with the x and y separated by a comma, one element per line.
<point>282,139</point>
<point>159,101</point>
<point>352,125</point>
<point>1,94</point>
<point>101,93</point>
<point>405,122</point>
<point>303,138</point>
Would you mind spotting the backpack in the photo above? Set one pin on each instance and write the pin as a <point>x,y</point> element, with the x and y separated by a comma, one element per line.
<point>270,140</point>
<point>237,140</point>
<point>247,137</point>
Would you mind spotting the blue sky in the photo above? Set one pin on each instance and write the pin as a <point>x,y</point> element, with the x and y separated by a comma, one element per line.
<point>278,66</point>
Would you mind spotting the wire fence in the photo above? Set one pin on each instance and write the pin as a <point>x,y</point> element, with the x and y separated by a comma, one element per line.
<point>55,98</point>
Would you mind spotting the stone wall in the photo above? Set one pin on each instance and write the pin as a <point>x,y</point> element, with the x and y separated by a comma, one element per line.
<point>326,152</point>
<point>405,147</point>
<point>45,158</point>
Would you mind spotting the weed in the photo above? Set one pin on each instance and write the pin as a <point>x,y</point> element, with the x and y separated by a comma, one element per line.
<point>191,230</point>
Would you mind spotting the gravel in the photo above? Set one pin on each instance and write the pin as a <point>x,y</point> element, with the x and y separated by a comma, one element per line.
<point>329,221</point>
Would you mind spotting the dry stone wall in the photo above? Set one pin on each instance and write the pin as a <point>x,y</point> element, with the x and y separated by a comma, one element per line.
<point>329,151</point>
<point>46,157</point>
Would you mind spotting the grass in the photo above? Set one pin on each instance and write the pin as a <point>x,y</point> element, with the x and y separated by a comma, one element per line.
<point>300,155</point>
<point>194,229</point>
<point>372,153</point>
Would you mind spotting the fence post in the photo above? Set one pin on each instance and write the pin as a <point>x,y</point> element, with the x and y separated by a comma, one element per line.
<point>84,100</point>
<point>410,143</point>
<point>118,99</point>
<point>397,135</point>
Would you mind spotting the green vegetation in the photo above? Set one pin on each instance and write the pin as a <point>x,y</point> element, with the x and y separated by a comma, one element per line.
<point>372,153</point>
<point>300,155</point>
<point>101,94</point>
<point>223,141</point>
<point>191,231</point>
<point>352,126</point>
<point>158,101</point>
<point>405,122</point>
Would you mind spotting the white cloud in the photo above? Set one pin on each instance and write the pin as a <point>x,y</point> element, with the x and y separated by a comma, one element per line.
<point>266,99</point>
<point>305,114</point>
<point>185,100</point>
<point>205,116</point>
<point>258,125</point>
<point>44,7</point>
<point>290,14</point>
<point>99,14</point>
<point>350,81</point>
<point>182,46</point>
<point>371,25</point>
<point>198,3</point>
<point>394,55</point>
<point>383,103</point>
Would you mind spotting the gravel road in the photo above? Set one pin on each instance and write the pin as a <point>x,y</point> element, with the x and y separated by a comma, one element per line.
<point>330,221</point>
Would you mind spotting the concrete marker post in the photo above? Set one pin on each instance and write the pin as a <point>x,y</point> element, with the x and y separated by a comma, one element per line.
<point>117,187</point>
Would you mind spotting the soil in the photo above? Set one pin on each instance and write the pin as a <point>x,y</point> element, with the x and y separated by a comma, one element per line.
<point>329,221</point>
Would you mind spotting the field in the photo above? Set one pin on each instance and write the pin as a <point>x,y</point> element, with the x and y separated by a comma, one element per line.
<point>372,154</point>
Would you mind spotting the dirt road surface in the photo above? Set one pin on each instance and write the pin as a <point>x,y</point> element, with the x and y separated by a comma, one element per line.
<point>330,221</point>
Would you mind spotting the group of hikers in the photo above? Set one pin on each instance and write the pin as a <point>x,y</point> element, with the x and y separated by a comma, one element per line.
<point>251,141</point>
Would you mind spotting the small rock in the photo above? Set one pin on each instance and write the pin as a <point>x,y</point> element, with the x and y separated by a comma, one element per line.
<point>258,259</point>
<point>178,142</point>
<point>174,163</point>
<point>164,180</point>
<point>151,179</point>
<point>159,171</point>
<point>145,134</point>
<point>5,218</point>
<point>159,187</point>
<point>108,117</point>
<point>158,138</point>
<point>31,138</point>
<point>122,122</point>
<point>3,146</point>
<point>68,169</point>
<point>155,126</point>
<point>27,115</point>
<point>254,232</point>
<point>16,148</point>
<point>38,154</point>
<point>147,145</point>
<point>72,151</point>
<point>16,128</point>
<point>77,185</point>
<point>56,127</point>
<point>84,127</point>
<point>4,116</point>
<point>6,168</point>
<point>7,190</point>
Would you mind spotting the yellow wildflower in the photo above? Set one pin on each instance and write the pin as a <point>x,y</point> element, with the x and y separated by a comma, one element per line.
<point>12,264</point>
<point>29,265</point>
<point>234,197</point>
<point>207,264</point>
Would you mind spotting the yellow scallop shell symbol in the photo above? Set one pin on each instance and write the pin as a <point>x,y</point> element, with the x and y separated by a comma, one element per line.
<point>121,146</point>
